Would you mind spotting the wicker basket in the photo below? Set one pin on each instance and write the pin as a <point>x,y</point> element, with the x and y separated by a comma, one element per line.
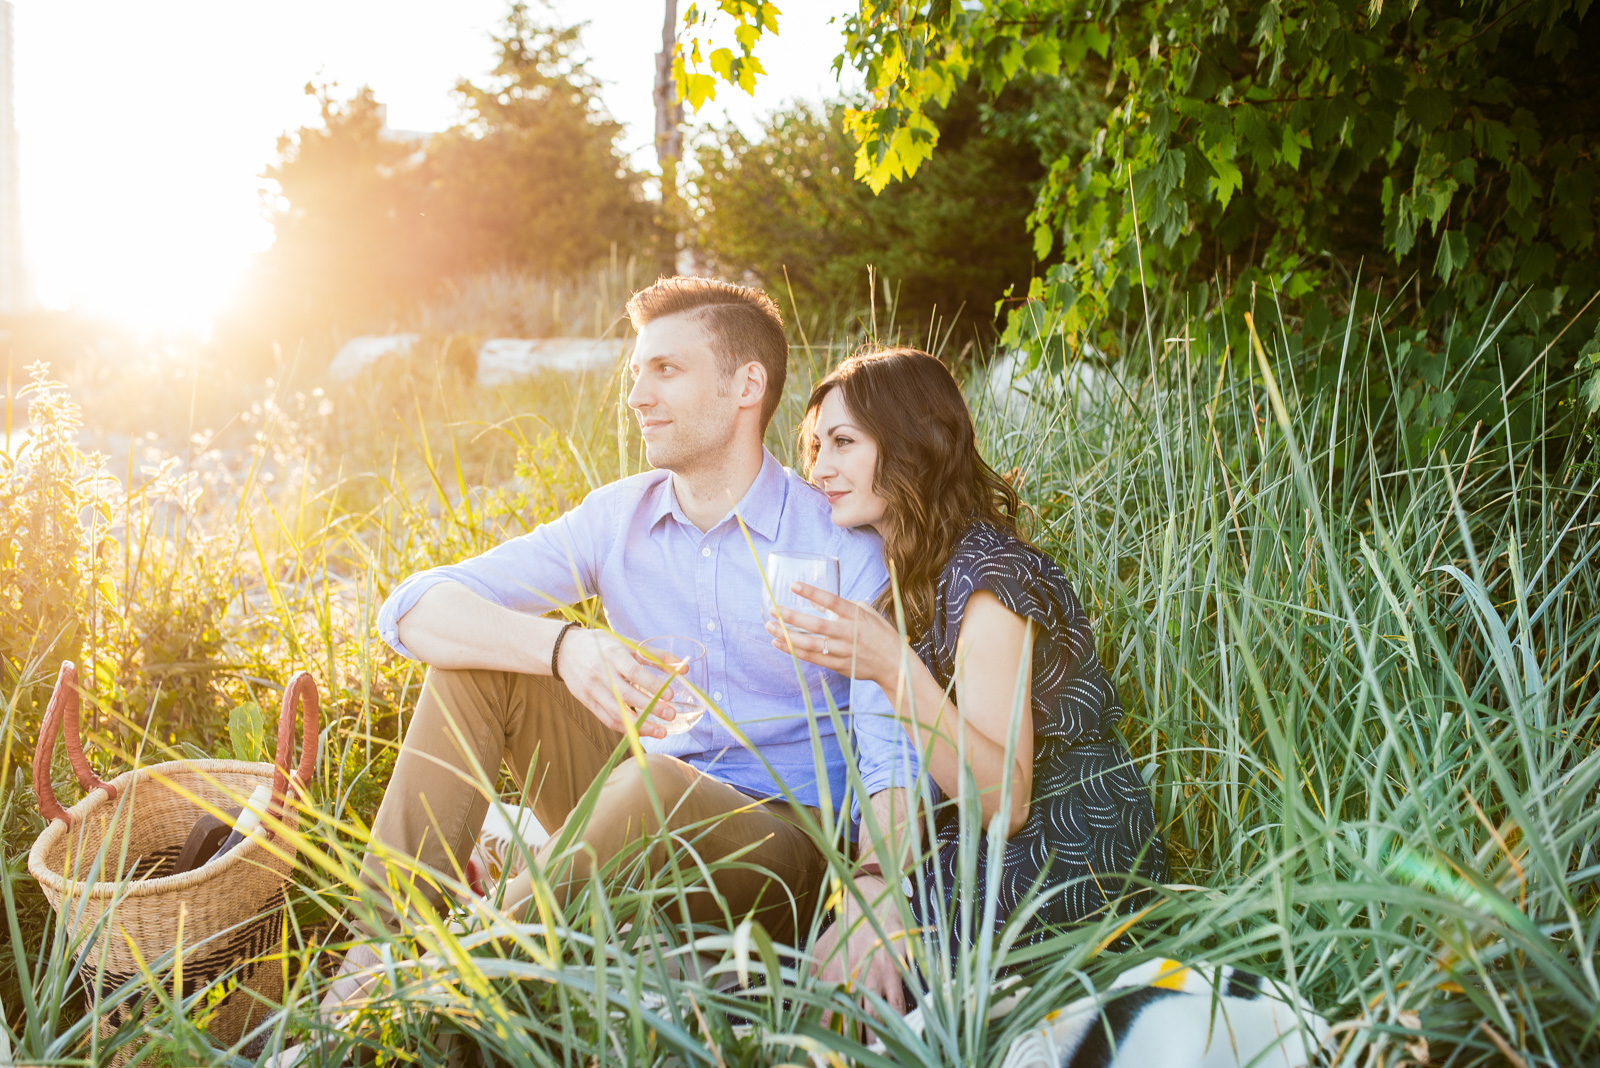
<point>230,911</point>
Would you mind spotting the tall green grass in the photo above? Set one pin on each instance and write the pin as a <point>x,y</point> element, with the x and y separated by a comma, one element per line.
<point>1360,682</point>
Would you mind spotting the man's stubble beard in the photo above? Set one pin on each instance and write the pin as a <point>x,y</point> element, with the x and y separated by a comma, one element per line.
<point>697,447</point>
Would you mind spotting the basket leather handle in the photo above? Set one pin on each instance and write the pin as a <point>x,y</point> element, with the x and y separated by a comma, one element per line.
<point>301,692</point>
<point>62,715</point>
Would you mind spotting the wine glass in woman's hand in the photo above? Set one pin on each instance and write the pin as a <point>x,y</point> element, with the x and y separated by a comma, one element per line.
<point>786,569</point>
<point>851,638</point>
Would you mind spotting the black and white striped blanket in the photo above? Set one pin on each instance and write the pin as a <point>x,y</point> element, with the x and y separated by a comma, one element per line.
<point>1165,1014</point>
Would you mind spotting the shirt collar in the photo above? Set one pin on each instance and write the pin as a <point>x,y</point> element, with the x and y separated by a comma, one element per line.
<point>763,501</point>
<point>760,508</point>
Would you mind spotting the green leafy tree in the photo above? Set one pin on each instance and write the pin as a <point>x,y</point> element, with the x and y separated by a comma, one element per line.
<point>343,218</point>
<point>1303,138</point>
<point>532,179</point>
<point>786,208</point>
<point>368,223</point>
<point>751,19</point>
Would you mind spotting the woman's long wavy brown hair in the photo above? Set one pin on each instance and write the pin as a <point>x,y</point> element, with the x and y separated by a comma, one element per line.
<point>929,471</point>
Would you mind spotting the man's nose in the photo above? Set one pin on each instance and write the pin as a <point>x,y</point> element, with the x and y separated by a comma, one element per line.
<point>638,396</point>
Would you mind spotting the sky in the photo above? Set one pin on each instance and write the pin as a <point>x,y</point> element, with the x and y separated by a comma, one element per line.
<point>145,126</point>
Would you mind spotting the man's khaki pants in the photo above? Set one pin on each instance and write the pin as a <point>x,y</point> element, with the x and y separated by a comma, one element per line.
<point>467,722</point>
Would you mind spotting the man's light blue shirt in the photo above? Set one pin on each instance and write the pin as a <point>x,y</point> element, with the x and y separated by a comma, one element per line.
<point>657,573</point>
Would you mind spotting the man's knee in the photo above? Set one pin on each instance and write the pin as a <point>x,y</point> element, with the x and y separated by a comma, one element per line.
<point>635,800</point>
<point>642,792</point>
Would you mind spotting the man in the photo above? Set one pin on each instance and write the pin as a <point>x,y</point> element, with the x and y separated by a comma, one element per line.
<point>667,552</point>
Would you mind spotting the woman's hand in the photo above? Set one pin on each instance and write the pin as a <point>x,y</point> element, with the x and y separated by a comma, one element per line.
<point>860,644</point>
<point>850,952</point>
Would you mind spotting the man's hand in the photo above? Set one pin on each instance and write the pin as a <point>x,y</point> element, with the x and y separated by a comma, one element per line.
<point>604,676</point>
<point>850,952</point>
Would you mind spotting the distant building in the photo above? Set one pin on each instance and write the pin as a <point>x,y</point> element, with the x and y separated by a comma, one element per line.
<point>415,138</point>
<point>16,287</point>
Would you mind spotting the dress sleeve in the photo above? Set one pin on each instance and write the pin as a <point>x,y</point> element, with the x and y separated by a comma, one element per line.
<point>1009,570</point>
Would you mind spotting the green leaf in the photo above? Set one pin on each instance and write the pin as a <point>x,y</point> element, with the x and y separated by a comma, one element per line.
<point>1228,178</point>
<point>1429,108</point>
<point>1495,139</point>
<point>1044,56</point>
<point>1099,38</point>
<point>1293,142</point>
<point>1591,393</point>
<point>246,732</point>
<point>1539,261</point>
<point>1589,362</point>
<point>1452,254</point>
<point>722,63</point>
<point>1523,188</point>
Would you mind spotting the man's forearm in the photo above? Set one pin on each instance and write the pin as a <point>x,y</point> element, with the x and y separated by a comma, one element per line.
<point>452,627</point>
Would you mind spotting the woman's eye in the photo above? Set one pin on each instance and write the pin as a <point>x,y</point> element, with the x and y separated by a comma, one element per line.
<point>840,442</point>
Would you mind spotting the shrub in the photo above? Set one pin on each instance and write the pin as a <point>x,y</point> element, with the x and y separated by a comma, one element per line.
<point>786,210</point>
<point>48,566</point>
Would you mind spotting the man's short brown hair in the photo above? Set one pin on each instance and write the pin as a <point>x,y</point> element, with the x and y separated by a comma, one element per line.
<point>744,325</point>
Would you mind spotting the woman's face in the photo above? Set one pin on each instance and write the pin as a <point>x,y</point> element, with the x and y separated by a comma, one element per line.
<point>847,461</point>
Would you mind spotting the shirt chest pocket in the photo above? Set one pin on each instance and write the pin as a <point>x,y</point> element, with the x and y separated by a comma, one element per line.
<point>770,671</point>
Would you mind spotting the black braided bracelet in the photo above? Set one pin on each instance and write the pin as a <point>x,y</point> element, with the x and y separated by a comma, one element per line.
<point>555,651</point>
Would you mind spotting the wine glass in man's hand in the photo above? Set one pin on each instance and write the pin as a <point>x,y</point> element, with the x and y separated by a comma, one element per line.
<point>681,664</point>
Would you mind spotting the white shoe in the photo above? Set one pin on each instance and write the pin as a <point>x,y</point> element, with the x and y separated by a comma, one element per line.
<point>357,975</point>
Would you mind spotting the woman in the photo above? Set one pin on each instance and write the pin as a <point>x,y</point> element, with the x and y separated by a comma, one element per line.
<point>888,437</point>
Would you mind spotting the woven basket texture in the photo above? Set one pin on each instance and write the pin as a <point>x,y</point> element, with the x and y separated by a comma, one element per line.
<point>114,863</point>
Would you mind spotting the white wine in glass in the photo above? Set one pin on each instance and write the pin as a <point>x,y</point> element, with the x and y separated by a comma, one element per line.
<point>684,660</point>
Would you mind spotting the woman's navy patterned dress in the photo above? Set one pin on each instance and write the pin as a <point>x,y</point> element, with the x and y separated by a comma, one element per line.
<point>1090,819</point>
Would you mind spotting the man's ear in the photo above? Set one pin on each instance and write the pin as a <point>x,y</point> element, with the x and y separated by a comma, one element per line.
<point>752,384</point>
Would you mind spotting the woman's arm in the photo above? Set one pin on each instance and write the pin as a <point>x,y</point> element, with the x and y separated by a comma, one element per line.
<point>993,677</point>
<point>851,951</point>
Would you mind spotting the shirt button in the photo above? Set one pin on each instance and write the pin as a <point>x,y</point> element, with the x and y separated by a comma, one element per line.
<point>717,696</point>
<point>706,551</point>
<point>711,624</point>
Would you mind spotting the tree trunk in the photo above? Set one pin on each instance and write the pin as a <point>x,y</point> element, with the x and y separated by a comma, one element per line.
<point>669,138</point>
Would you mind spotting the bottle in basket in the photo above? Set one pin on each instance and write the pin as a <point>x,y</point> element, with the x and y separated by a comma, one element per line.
<point>249,819</point>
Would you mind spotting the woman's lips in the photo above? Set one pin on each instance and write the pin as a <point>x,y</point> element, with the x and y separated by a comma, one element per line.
<point>834,495</point>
